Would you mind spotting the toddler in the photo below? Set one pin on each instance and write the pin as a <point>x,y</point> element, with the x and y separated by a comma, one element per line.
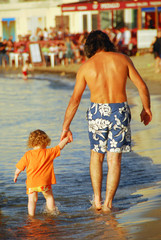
<point>26,67</point>
<point>39,168</point>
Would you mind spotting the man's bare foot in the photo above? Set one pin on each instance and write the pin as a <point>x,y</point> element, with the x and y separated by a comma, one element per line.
<point>97,204</point>
<point>106,209</point>
<point>98,207</point>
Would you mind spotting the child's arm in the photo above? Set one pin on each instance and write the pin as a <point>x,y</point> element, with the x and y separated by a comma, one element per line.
<point>17,172</point>
<point>63,143</point>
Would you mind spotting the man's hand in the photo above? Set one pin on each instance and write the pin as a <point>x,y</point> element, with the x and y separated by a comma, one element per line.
<point>67,133</point>
<point>146,116</point>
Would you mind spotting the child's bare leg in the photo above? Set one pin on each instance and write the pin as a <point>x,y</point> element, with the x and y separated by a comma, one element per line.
<point>24,77</point>
<point>32,200</point>
<point>50,202</point>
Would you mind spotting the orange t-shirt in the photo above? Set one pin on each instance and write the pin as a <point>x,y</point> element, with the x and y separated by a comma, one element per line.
<point>39,166</point>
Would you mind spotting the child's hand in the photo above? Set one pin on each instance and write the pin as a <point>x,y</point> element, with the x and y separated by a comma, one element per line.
<point>17,172</point>
<point>63,142</point>
<point>15,179</point>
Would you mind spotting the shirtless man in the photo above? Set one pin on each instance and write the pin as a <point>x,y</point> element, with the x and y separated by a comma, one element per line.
<point>106,73</point>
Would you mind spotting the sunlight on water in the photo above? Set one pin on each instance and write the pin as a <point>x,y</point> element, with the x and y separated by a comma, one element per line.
<point>39,103</point>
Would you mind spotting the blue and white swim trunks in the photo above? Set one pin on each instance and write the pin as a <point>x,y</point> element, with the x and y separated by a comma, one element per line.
<point>109,127</point>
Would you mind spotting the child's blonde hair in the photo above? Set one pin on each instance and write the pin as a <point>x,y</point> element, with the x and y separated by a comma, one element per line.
<point>38,138</point>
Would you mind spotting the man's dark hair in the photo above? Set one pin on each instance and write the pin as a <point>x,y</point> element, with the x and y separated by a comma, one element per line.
<point>97,41</point>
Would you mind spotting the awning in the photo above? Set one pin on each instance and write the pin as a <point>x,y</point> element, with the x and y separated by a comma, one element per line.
<point>101,6</point>
<point>8,19</point>
<point>150,9</point>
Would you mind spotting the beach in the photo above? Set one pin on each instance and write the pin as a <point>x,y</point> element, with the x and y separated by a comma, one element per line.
<point>141,220</point>
<point>145,64</point>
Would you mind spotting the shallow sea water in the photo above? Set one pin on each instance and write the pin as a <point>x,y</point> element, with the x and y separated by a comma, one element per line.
<point>40,103</point>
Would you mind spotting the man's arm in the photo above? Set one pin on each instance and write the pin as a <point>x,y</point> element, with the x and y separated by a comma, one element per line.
<point>146,115</point>
<point>74,102</point>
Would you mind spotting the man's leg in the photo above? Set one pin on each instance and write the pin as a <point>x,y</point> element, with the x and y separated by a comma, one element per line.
<point>32,200</point>
<point>113,177</point>
<point>96,176</point>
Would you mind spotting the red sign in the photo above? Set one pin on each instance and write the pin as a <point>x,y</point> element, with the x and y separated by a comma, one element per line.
<point>108,5</point>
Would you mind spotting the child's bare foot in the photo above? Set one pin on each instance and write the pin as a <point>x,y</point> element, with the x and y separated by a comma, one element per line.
<point>54,211</point>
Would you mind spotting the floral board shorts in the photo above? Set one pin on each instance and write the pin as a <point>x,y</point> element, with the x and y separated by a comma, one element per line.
<point>109,127</point>
<point>42,189</point>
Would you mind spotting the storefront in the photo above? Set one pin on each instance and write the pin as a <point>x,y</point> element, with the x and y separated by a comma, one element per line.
<point>137,14</point>
<point>8,28</point>
<point>25,17</point>
<point>151,17</point>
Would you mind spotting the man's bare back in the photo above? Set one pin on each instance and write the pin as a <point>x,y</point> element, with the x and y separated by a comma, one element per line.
<point>106,75</point>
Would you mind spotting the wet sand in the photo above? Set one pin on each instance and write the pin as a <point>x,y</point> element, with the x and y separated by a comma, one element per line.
<point>142,221</point>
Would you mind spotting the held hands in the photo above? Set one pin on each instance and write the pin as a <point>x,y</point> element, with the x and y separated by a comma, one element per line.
<point>146,116</point>
<point>67,133</point>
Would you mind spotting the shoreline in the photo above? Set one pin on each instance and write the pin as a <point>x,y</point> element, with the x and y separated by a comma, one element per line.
<point>145,65</point>
<point>143,220</point>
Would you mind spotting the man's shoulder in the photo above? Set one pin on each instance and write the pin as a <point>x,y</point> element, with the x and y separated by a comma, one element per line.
<point>115,56</point>
<point>84,66</point>
<point>120,55</point>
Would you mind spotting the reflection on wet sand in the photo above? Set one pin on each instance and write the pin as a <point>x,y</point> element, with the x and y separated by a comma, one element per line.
<point>37,229</point>
<point>103,226</point>
<point>111,229</point>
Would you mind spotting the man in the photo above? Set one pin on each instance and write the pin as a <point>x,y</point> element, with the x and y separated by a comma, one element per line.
<point>105,73</point>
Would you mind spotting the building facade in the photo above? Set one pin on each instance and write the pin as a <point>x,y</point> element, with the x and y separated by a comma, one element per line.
<point>101,14</point>
<point>21,17</point>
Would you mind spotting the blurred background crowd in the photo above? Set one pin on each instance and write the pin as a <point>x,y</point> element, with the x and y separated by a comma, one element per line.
<point>67,48</point>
